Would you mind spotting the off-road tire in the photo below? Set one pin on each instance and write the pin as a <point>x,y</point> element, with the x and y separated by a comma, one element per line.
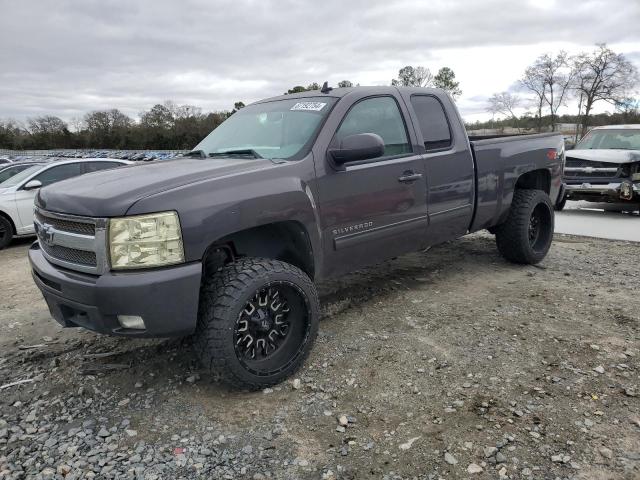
<point>223,297</point>
<point>6,232</point>
<point>513,236</point>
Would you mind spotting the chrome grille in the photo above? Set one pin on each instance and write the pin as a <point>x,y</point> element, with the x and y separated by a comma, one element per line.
<point>72,255</point>
<point>69,241</point>
<point>82,228</point>
<point>576,167</point>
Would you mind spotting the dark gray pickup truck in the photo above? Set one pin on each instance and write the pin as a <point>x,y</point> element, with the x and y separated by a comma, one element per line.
<point>227,244</point>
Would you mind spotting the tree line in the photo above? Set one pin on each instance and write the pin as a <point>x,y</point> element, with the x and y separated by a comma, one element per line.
<point>164,126</point>
<point>588,78</point>
<point>547,85</point>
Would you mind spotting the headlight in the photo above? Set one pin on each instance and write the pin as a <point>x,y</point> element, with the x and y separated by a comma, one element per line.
<point>145,241</point>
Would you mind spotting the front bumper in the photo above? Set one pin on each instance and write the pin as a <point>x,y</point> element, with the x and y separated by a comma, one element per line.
<point>166,299</point>
<point>610,192</point>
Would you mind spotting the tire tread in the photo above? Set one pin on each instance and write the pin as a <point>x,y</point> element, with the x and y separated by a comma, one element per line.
<point>220,293</point>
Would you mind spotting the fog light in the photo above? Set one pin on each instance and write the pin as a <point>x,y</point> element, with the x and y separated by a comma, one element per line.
<point>131,321</point>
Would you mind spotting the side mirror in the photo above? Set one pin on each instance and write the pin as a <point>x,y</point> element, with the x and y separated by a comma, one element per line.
<point>32,185</point>
<point>361,146</point>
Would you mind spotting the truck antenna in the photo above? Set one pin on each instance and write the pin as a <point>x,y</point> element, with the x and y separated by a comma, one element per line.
<point>325,88</point>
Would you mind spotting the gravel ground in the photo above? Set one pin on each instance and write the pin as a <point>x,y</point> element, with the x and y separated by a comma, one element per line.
<point>445,364</point>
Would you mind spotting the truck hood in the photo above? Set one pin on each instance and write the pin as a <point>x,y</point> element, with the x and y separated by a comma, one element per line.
<point>111,193</point>
<point>610,156</point>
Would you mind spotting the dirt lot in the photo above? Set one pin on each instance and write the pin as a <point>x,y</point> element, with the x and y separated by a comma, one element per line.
<point>446,364</point>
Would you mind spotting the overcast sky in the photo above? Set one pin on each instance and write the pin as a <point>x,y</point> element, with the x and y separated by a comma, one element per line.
<point>69,57</point>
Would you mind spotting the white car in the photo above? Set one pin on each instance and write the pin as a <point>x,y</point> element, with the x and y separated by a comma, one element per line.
<point>18,192</point>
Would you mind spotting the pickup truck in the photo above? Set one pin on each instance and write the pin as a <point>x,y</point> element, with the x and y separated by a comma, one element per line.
<point>605,167</point>
<point>227,243</point>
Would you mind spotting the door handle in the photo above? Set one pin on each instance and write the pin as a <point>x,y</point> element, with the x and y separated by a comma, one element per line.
<point>408,177</point>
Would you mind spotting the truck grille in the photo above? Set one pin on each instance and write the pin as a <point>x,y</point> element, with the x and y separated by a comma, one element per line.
<point>66,225</point>
<point>577,168</point>
<point>72,255</point>
<point>72,242</point>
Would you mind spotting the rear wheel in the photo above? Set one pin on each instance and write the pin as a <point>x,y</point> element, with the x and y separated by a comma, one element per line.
<point>257,322</point>
<point>525,237</point>
<point>6,232</point>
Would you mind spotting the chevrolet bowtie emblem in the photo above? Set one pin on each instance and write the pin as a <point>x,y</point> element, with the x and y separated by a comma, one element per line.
<point>47,234</point>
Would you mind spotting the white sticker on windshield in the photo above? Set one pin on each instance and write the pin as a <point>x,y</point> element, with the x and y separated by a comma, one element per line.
<point>313,106</point>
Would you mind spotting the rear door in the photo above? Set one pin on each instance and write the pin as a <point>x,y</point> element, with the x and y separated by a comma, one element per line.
<point>373,209</point>
<point>448,165</point>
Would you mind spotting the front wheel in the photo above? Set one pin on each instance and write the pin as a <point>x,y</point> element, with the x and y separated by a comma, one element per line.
<point>525,237</point>
<point>257,322</point>
<point>6,232</point>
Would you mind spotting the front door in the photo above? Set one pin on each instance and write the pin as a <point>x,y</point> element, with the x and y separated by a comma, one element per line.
<point>374,209</point>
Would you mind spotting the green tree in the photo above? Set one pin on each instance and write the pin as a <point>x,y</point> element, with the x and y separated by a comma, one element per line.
<point>446,80</point>
<point>108,128</point>
<point>48,131</point>
<point>345,84</point>
<point>296,89</point>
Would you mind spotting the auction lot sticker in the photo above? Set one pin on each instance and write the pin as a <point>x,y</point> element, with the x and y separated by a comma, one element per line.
<point>312,106</point>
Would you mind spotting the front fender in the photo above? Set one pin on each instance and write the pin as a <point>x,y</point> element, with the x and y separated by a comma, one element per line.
<point>216,208</point>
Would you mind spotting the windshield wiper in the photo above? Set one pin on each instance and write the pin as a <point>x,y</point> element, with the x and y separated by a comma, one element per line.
<point>196,153</point>
<point>243,151</point>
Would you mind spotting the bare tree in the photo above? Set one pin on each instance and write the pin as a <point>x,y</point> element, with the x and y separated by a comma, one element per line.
<point>413,77</point>
<point>557,76</point>
<point>534,81</point>
<point>603,75</point>
<point>505,103</point>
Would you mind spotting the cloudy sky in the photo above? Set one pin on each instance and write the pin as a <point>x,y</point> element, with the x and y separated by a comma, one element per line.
<point>69,57</point>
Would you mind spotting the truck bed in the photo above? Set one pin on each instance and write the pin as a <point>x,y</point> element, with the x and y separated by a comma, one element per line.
<point>499,163</point>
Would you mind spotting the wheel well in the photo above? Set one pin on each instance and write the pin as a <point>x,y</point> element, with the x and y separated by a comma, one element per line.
<point>535,180</point>
<point>13,226</point>
<point>286,241</point>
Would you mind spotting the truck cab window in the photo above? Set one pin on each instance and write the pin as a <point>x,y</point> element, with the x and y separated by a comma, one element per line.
<point>433,122</point>
<point>379,115</point>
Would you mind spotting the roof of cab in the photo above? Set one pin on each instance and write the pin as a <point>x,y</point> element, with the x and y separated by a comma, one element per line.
<point>341,92</point>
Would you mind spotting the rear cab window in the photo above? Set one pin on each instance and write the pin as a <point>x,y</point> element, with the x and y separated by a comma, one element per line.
<point>434,125</point>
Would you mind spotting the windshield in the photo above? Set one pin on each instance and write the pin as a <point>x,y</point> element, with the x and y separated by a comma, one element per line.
<point>17,178</point>
<point>279,129</point>
<point>614,139</point>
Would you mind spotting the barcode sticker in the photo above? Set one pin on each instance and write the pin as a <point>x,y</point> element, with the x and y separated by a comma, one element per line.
<point>313,106</point>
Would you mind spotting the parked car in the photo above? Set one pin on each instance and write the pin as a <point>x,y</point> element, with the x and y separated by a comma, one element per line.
<point>227,242</point>
<point>4,161</point>
<point>605,167</point>
<point>17,193</point>
<point>9,170</point>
